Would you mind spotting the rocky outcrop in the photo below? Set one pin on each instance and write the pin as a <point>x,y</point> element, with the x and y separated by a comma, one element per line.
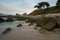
<point>57,18</point>
<point>2,20</point>
<point>48,21</point>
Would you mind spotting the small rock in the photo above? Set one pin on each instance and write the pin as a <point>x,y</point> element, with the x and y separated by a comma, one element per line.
<point>19,25</point>
<point>32,31</point>
<point>35,28</point>
<point>30,24</point>
<point>23,27</point>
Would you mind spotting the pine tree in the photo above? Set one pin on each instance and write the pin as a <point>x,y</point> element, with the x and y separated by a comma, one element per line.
<point>58,2</point>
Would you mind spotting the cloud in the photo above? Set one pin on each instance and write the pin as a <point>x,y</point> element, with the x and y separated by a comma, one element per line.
<point>8,9</point>
<point>20,6</point>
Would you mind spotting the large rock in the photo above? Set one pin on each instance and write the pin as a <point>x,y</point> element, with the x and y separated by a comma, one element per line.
<point>2,20</point>
<point>6,31</point>
<point>57,18</point>
<point>31,23</point>
<point>49,26</point>
<point>47,23</point>
<point>58,25</point>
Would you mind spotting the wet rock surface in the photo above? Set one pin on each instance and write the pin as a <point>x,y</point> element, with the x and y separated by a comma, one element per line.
<point>6,31</point>
<point>19,25</point>
<point>2,20</point>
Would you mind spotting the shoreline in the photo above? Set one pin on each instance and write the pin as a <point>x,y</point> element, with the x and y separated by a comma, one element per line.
<point>28,33</point>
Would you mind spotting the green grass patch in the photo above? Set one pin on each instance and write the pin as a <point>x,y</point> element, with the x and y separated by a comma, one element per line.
<point>31,20</point>
<point>51,10</point>
<point>21,19</point>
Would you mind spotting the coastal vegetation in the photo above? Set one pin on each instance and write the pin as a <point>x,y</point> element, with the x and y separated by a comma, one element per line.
<point>10,19</point>
<point>58,2</point>
<point>21,19</point>
<point>50,22</point>
<point>44,8</point>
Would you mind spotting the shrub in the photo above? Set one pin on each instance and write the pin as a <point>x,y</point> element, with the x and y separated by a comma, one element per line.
<point>21,19</point>
<point>10,19</point>
<point>31,20</point>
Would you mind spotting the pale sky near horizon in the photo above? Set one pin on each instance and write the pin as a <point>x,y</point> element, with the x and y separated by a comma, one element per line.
<point>21,6</point>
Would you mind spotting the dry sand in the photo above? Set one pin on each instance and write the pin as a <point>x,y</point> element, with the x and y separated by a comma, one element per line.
<point>29,33</point>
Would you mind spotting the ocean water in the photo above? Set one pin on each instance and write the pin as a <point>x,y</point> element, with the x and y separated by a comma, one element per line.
<point>5,25</point>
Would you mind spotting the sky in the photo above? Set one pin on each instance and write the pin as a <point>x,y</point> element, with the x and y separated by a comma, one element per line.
<point>21,6</point>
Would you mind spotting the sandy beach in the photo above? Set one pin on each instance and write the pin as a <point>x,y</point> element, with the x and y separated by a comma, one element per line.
<point>28,33</point>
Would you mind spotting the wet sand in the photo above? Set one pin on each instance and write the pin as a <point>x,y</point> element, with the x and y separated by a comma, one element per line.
<point>28,33</point>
